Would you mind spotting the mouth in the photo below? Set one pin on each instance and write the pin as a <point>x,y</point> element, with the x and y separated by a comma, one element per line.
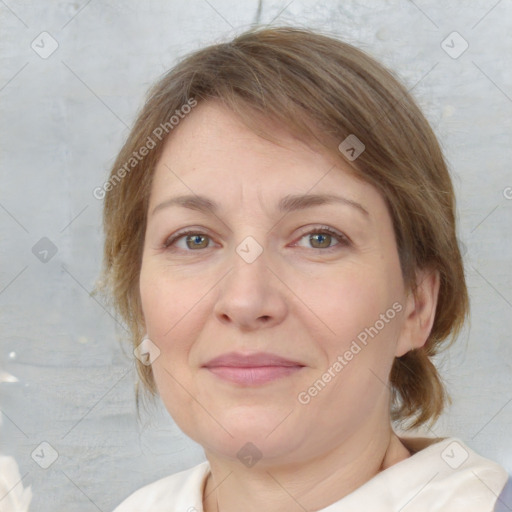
<point>253,369</point>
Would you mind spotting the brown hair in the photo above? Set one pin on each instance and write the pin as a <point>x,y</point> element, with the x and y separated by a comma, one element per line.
<point>321,90</point>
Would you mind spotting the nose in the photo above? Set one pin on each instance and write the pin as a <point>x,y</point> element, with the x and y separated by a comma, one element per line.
<point>251,296</point>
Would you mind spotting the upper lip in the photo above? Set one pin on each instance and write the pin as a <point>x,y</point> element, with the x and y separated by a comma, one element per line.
<point>259,359</point>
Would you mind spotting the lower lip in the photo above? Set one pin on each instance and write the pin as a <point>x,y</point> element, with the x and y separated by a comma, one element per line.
<point>253,376</point>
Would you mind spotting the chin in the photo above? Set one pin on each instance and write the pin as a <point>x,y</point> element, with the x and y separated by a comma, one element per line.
<point>252,434</point>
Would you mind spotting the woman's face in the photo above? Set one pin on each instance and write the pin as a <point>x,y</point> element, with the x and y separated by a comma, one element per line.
<point>310,287</point>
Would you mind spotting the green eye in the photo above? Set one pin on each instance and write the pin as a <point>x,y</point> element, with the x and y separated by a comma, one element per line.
<point>323,238</point>
<point>193,240</point>
<point>197,241</point>
<point>319,238</point>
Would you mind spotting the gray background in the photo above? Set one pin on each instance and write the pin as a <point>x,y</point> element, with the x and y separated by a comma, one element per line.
<point>67,379</point>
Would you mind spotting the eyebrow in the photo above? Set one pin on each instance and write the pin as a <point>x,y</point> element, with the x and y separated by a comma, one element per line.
<point>288,203</point>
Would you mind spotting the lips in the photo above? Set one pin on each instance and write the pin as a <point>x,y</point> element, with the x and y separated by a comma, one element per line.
<point>252,369</point>
<point>234,359</point>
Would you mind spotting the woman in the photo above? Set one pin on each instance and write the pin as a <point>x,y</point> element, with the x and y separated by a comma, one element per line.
<point>280,239</point>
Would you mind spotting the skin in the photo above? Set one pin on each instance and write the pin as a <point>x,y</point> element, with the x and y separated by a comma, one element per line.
<point>298,299</point>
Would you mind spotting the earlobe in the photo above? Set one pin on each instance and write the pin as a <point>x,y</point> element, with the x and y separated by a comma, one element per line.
<point>420,312</point>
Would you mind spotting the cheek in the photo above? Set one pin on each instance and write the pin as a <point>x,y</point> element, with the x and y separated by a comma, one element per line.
<point>348,299</point>
<point>166,301</point>
<point>356,306</point>
<point>175,309</point>
<point>165,304</point>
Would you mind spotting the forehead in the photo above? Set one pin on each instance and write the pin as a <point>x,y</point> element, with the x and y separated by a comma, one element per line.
<point>213,136</point>
<point>211,152</point>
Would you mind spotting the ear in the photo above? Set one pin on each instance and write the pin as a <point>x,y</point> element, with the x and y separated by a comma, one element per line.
<point>420,312</point>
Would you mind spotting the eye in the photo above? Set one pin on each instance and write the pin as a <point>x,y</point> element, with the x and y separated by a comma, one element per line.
<point>192,240</point>
<point>323,238</point>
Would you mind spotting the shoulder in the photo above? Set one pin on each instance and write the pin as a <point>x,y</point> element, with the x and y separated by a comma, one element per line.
<point>457,476</point>
<point>181,491</point>
<point>504,503</point>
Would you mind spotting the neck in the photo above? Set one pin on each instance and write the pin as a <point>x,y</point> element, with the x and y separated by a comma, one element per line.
<point>310,485</point>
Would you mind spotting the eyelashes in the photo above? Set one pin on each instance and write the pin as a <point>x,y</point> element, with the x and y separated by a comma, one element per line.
<point>196,240</point>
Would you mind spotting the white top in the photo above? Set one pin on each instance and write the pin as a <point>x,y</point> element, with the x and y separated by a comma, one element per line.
<point>13,497</point>
<point>440,475</point>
